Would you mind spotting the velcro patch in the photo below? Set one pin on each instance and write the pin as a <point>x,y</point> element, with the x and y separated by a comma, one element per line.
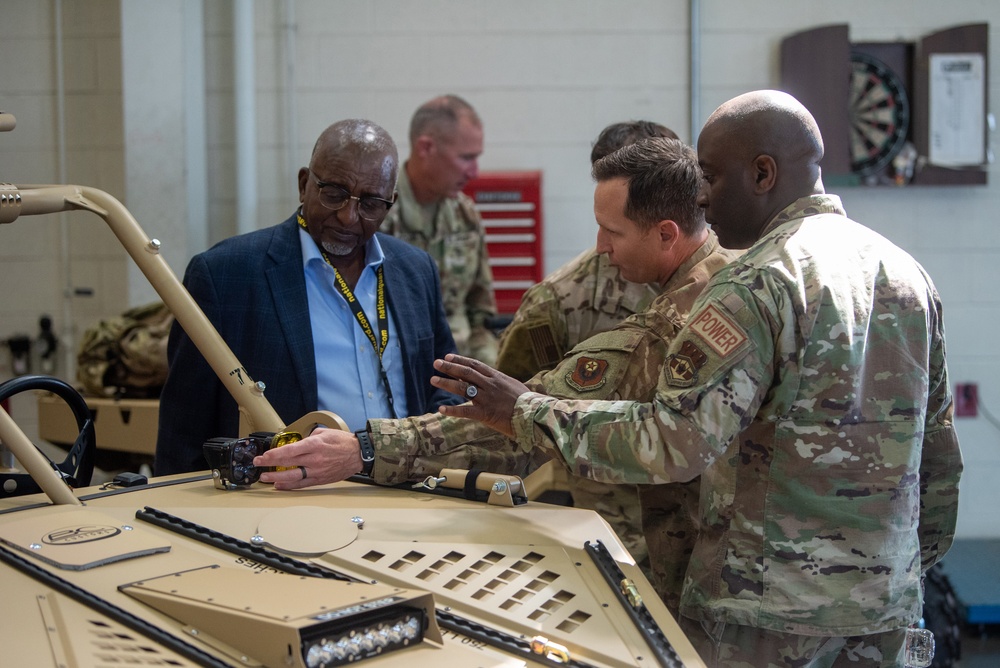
<point>588,374</point>
<point>544,346</point>
<point>721,334</point>
<point>682,366</point>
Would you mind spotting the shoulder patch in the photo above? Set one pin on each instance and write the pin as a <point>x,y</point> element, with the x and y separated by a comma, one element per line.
<point>682,366</point>
<point>544,346</point>
<point>717,330</point>
<point>588,374</point>
<point>733,302</point>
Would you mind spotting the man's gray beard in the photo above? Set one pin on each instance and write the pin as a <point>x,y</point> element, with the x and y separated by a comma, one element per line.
<point>336,249</point>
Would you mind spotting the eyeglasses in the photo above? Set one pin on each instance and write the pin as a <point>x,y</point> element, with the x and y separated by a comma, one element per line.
<point>334,197</point>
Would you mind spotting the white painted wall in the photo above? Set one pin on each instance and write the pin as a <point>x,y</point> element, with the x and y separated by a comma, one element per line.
<point>545,75</point>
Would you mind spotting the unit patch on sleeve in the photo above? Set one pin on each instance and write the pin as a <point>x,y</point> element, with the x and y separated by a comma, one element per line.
<point>721,334</point>
<point>682,366</point>
<point>588,374</point>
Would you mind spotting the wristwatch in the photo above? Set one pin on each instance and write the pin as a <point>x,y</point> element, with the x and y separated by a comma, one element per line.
<point>367,452</point>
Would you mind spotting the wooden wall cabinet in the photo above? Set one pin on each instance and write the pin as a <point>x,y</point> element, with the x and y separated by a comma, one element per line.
<point>881,105</point>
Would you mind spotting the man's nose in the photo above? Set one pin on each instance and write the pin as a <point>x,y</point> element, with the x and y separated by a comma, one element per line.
<point>602,243</point>
<point>703,197</point>
<point>349,213</point>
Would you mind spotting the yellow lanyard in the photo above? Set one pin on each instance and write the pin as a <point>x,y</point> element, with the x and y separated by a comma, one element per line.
<point>380,343</point>
<point>382,313</point>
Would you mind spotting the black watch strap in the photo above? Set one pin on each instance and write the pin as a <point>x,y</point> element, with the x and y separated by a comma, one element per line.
<point>367,452</point>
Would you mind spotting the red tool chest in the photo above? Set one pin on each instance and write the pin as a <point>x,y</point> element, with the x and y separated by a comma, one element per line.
<point>511,206</point>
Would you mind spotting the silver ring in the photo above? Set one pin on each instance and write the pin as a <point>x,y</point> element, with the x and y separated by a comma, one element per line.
<point>471,391</point>
<point>303,469</point>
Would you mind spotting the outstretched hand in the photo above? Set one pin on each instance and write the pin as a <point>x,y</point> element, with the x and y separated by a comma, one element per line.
<point>492,394</point>
<point>325,456</point>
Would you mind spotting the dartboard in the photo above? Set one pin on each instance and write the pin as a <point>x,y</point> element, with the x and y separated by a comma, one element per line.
<point>879,114</point>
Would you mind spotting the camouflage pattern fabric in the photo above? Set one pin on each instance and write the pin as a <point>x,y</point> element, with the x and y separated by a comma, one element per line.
<point>809,387</point>
<point>622,362</point>
<point>582,298</point>
<point>735,646</point>
<point>126,356</point>
<point>454,237</point>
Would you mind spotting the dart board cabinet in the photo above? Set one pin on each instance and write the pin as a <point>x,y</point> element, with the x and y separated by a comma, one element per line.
<point>894,113</point>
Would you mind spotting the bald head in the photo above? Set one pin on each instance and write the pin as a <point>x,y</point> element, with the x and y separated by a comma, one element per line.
<point>760,152</point>
<point>357,135</point>
<point>773,123</point>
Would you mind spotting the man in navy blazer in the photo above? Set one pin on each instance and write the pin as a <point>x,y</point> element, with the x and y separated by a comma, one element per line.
<point>283,298</point>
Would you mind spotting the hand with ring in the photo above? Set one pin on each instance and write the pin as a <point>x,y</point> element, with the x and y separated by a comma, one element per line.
<point>325,456</point>
<point>492,394</point>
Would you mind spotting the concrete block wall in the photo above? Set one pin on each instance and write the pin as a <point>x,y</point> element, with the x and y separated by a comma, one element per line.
<point>33,277</point>
<point>45,258</point>
<point>546,76</point>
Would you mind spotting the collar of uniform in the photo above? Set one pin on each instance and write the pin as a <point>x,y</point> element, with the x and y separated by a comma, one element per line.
<point>410,216</point>
<point>311,253</point>
<point>805,206</point>
<point>682,272</point>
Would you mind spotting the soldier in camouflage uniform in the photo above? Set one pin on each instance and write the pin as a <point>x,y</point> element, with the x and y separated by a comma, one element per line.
<point>432,213</point>
<point>621,363</point>
<point>809,387</point>
<point>585,296</point>
<point>582,298</point>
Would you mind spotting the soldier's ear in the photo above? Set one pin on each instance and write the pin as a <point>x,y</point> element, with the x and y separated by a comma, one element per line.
<point>303,182</point>
<point>669,231</point>
<point>765,173</point>
<point>424,145</point>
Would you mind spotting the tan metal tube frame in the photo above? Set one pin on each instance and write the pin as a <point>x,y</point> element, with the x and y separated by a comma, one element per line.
<point>254,408</point>
<point>256,414</point>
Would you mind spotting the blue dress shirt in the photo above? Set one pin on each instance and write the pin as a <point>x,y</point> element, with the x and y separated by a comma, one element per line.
<point>349,381</point>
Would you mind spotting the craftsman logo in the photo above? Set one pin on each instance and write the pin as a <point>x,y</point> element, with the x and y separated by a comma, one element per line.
<point>719,332</point>
<point>588,374</point>
<point>682,366</point>
<point>86,533</point>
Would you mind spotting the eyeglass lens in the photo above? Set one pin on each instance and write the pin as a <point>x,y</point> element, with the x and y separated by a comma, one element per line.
<point>334,197</point>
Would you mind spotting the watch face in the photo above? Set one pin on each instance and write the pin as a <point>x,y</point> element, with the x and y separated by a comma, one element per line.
<point>879,114</point>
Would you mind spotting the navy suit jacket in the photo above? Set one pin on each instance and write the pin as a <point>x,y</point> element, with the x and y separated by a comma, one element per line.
<point>252,288</point>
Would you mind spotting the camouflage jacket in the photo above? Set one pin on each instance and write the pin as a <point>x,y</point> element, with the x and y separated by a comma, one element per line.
<point>455,239</point>
<point>809,387</point>
<point>583,297</point>
<point>623,362</point>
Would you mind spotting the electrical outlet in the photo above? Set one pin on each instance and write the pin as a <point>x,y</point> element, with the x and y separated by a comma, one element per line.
<point>966,399</point>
